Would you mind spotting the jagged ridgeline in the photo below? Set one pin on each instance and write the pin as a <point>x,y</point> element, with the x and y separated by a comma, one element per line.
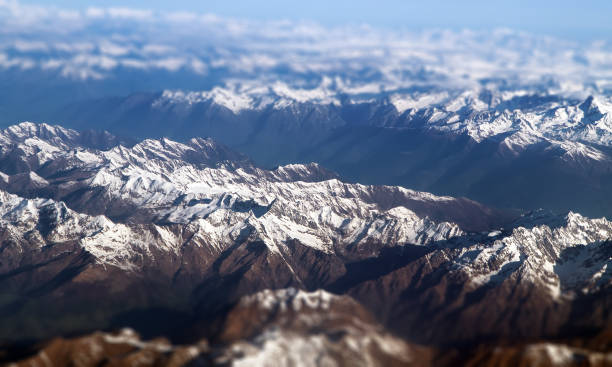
<point>512,148</point>
<point>193,241</point>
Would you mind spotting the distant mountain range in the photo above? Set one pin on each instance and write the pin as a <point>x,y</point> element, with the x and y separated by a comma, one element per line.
<point>508,149</point>
<point>194,242</point>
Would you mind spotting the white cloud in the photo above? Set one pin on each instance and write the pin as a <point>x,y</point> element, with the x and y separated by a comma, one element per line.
<point>134,64</point>
<point>76,47</point>
<point>181,17</point>
<point>362,59</point>
<point>23,63</point>
<point>52,64</point>
<point>198,66</point>
<point>170,63</point>
<point>30,46</point>
<point>157,49</point>
<point>95,12</point>
<point>113,49</point>
<point>81,73</point>
<point>69,15</point>
<point>94,61</point>
<point>128,13</point>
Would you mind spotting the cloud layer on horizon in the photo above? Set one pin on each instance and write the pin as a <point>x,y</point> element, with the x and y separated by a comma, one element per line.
<point>98,43</point>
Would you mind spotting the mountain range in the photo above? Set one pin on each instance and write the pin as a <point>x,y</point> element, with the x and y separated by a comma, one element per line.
<point>508,149</point>
<point>203,190</point>
<point>236,263</point>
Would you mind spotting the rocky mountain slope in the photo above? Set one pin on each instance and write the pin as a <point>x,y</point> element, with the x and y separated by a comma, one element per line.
<point>194,242</point>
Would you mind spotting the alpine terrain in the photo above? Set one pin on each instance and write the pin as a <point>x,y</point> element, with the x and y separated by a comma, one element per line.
<point>232,263</point>
<point>305,184</point>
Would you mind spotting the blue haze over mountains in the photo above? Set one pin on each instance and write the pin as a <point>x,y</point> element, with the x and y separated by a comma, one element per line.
<point>512,119</point>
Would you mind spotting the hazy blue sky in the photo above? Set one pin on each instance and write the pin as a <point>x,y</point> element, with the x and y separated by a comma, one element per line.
<point>567,18</point>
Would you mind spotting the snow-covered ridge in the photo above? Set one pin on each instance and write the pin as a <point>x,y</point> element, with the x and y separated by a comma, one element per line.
<point>523,118</point>
<point>553,117</point>
<point>31,224</point>
<point>201,185</point>
<point>166,196</point>
<point>239,98</point>
<point>570,258</point>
